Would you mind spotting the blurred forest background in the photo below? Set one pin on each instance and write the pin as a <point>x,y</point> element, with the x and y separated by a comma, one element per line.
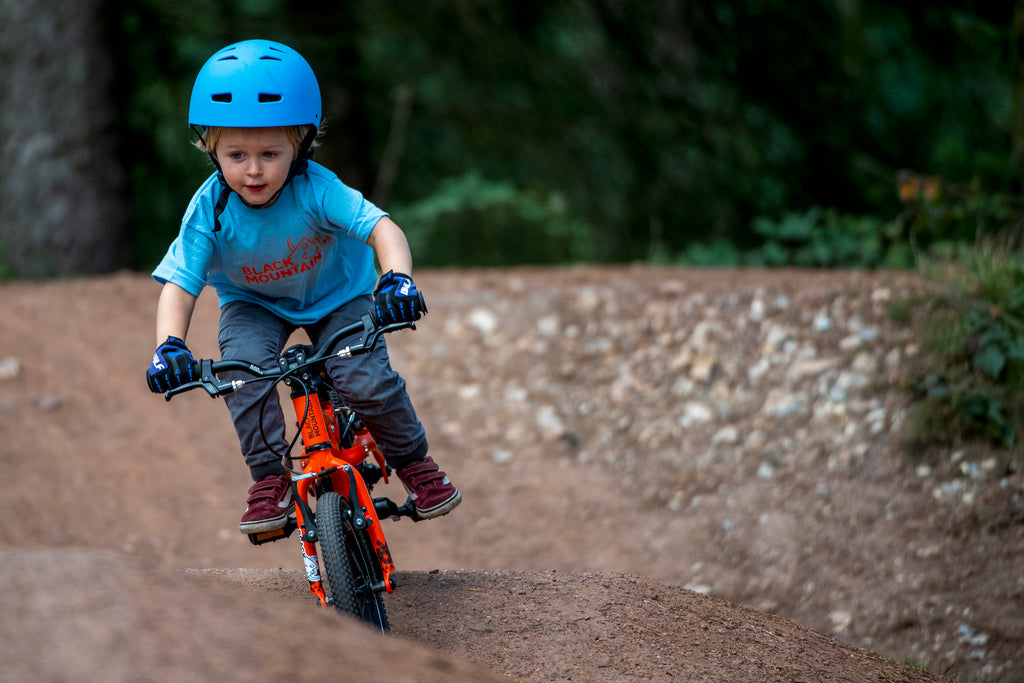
<point>747,132</point>
<point>820,133</point>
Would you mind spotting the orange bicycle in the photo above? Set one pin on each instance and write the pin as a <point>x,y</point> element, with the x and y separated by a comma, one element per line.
<point>338,466</point>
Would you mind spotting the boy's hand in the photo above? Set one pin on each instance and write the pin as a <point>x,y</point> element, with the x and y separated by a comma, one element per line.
<point>396,299</point>
<point>172,366</point>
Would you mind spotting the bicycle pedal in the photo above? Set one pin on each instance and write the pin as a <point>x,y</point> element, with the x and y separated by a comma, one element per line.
<point>262,537</point>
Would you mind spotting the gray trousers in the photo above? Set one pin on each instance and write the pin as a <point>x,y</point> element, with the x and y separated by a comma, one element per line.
<point>367,383</point>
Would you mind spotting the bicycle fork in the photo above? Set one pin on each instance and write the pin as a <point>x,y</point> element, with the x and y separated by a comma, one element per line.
<point>312,563</point>
<point>308,537</point>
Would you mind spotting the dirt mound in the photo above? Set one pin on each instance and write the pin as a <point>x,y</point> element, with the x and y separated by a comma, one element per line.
<point>729,437</point>
<point>88,615</point>
<point>96,615</point>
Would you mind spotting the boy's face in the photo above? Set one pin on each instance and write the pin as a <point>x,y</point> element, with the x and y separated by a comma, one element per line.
<point>255,162</point>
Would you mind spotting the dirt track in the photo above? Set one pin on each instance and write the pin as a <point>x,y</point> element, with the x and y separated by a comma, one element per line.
<point>621,436</point>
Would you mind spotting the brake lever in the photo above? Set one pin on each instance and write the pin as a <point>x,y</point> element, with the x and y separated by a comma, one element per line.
<point>207,380</point>
<point>371,333</point>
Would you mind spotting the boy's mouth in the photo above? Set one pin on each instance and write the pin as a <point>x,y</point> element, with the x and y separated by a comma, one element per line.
<point>255,188</point>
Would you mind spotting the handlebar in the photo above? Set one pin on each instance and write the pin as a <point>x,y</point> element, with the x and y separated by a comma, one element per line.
<point>304,356</point>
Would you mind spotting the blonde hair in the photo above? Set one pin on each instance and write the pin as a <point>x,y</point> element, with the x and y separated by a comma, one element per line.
<point>207,142</point>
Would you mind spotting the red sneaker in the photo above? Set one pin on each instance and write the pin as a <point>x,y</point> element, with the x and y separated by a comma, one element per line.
<point>431,492</point>
<point>268,506</point>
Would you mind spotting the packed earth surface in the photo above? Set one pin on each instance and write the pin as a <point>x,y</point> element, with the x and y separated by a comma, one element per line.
<point>668,474</point>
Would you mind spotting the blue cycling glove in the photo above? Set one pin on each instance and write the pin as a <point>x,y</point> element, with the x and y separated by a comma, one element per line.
<point>396,299</point>
<point>172,366</point>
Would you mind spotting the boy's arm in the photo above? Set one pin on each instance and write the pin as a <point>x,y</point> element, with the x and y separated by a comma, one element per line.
<point>396,298</point>
<point>173,313</point>
<point>391,247</point>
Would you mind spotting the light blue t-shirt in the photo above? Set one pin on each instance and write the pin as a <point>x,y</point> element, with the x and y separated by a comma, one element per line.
<point>301,258</point>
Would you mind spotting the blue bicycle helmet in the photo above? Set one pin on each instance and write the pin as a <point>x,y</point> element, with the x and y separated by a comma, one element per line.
<point>255,84</point>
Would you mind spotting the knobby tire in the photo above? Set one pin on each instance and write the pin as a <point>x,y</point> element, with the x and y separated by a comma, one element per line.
<point>350,565</point>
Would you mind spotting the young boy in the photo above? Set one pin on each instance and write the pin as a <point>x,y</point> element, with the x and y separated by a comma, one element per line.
<point>286,244</point>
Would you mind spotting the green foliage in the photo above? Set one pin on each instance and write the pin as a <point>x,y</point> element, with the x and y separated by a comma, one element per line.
<point>719,254</point>
<point>961,216</point>
<point>817,238</point>
<point>970,380</point>
<point>471,220</point>
<point>7,271</point>
<point>828,239</point>
<point>659,128</point>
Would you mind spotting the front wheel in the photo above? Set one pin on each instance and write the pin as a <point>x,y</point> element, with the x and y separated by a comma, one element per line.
<point>353,572</point>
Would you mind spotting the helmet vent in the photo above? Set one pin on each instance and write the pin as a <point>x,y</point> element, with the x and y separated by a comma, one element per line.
<point>269,97</point>
<point>227,58</point>
<point>272,58</point>
<point>224,97</point>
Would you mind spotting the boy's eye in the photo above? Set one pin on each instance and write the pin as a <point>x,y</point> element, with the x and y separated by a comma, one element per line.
<point>236,156</point>
<point>269,155</point>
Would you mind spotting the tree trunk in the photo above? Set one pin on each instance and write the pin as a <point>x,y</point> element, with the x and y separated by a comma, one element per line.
<point>61,203</point>
<point>1018,84</point>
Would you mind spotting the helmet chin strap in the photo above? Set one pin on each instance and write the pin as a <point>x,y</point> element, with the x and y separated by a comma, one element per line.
<point>298,166</point>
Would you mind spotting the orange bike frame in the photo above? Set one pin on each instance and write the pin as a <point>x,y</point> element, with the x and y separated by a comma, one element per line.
<point>323,456</point>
